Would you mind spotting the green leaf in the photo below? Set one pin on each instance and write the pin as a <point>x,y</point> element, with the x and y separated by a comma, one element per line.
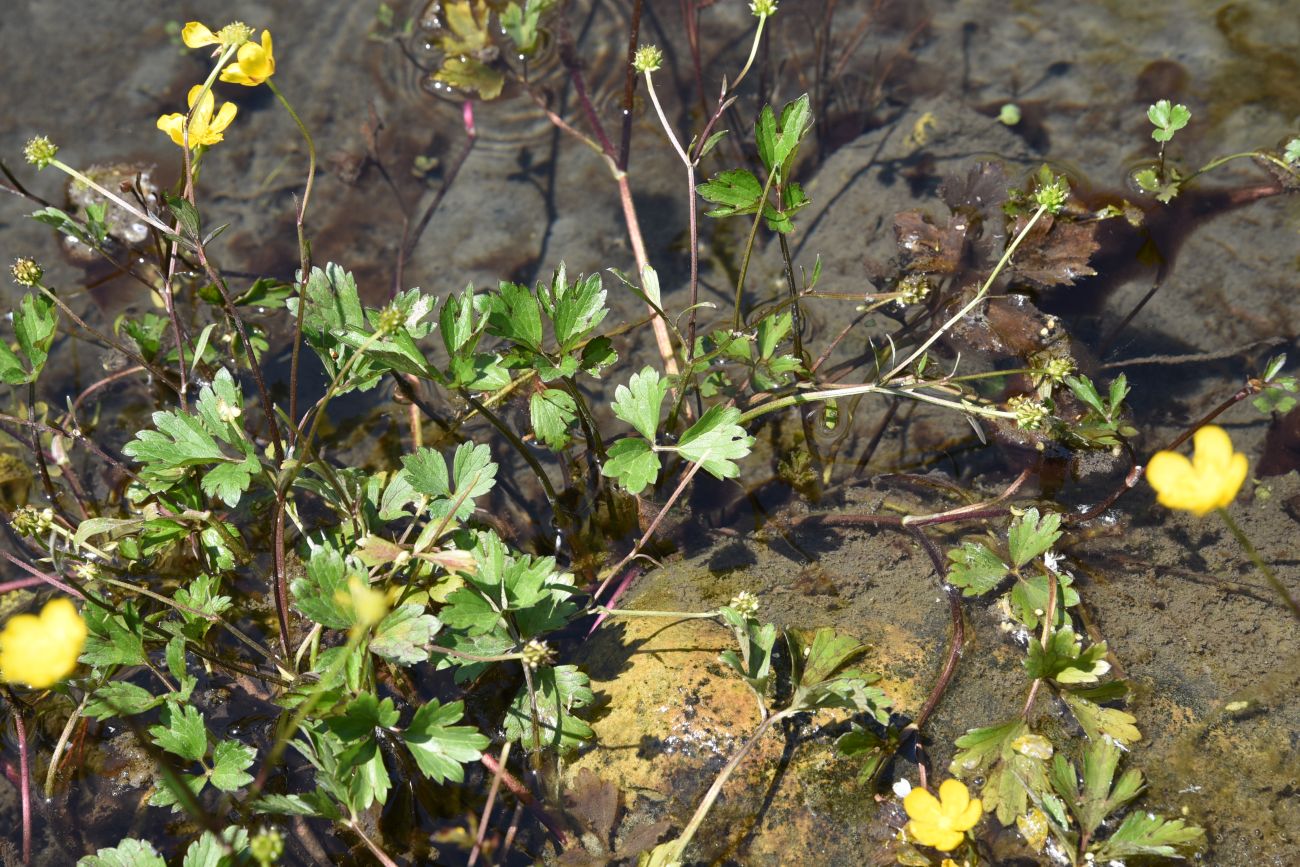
<point>597,355</point>
<point>1064,660</point>
<point>1167,119</point>
<point>290,805</point>
<point>776,148</point>
<point>363,715</point>
<point>560,691</point>
<point>229,479</point>
<point>715,441</point>
<point>181,732</point>
<point>1097,721</point>
<point>439,748</point>
<point>213,851</point>
<point>516,315</point>
<point>35,324</point>
<point>975,569</point>
<point>323,595</point>
<point>1085,391</point>
<point>1029,598</point>
<point>128,853</point>
<point>404,635</point>
<point>473,473</point>
<point>735,192</point>
<point>113,639</point>
<point>1147,834</point>
<point>633,463</point>
<point>640,402</point>
<point>470,611</point>
<point>821,671</point>
<point>180,441</point>
<point>333,311</point>
<point>1031,536</point>
<point>754,662</point>
<point>361,766</point>
<point>553,412</point>
<point>574,309</point>
<point>980,748</point>
<point>121,698</point>
<point>229,761</point>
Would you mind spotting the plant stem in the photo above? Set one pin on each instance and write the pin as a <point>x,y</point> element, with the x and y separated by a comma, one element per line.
<point>737,319</point>
<point>1263,567</point>
<point>61,744</point>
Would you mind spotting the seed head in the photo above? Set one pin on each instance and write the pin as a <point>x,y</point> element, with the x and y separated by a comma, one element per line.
<point>648,58</point>
<point>40,151</point>
<point>27,272</point>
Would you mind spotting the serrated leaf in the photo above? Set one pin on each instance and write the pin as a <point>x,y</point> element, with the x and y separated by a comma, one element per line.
<point>473,473</point>
<point>560,691</point>
<point>362,767</point>
<point>1028,598</point>
<point>552,413</point>
<point>715,441</point>
<point>322,595</point>
<point>640,402</point>
<point>113,639</point>
<point>633,463</point>
<point>597,355</point>
<point>230,759</point>
<point>439,748</point>
<point>181,732</point>
<point>735,192</point>
<point>1097,721</point>
<point>121,698</point>
<point>980,748</point>
<point>516,315</point>
<point>128,853</point>
<point>1147,834</point>
<point>975,569</point>
<point>404,635</point>
<point>574,308</point>
<point>229,479</point>
<point>35,324</point>
<point>213,851</point>
<point>1030,536</point>
<point>180,441</point>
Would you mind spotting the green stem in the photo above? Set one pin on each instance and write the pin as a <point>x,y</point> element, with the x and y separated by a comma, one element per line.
<point>1263,567</point>
<point>304,254</point>
<point>112,197</point>
<point>753,52</point>
<point>850,390</point>
<point>737,319</point>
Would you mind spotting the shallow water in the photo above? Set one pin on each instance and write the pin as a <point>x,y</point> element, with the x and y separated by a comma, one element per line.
<point>914,100</point>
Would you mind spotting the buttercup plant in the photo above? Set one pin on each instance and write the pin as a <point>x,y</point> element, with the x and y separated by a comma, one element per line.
<point>397,637</point>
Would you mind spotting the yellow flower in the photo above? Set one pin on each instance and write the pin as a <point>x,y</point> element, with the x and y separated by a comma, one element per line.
<point>254,63</point>
<point>42,649</point>
<point>1209,481</point>
<point>369,605</point>
<point>204,128</point>
<point>942,822</point>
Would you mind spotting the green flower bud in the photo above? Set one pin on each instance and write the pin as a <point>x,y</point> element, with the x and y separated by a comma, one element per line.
<point>27,272</point>
<point>763,8</point>
<point>648,58</point>
<point>40,151</point>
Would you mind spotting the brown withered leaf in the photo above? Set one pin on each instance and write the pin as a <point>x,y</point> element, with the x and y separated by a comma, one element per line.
<point>594,803</point>
<point>1056,252</point>
<point>929,248</point>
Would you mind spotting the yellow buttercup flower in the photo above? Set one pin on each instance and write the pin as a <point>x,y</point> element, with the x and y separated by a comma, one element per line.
<point>369,605</point>
<point>1209,481</point>
<point>942,822</point>
<point>204,128</point>
<point>253,64</point>
<point>42,649</point>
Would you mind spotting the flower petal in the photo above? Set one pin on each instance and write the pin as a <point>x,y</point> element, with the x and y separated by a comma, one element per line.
<point>922,806</point>
<point>41,650</point>
<point>174,126</point>
<point>223,118</point>
<point>969,817</point>
<point>1231,480</point>
<point>942,839</point>
<point>197,35</point>
<point>954,797</point>
<point>1176,483</point>
<point>1213,449</point>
